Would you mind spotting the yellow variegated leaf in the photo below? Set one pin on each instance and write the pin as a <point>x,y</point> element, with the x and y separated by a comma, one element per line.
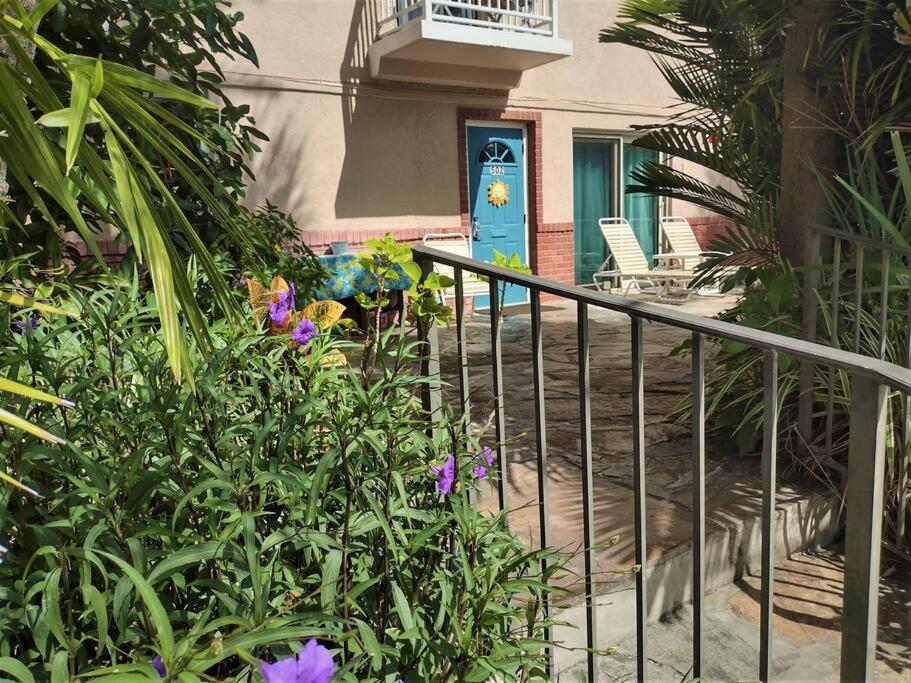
<point>26,426</point>
<point>12,387</point>
<point>286,327</point>
<point>279,284</point>
<point>333,358</point>
<point>18,484</point>
<point>323,313</point>
<point>26,301</point>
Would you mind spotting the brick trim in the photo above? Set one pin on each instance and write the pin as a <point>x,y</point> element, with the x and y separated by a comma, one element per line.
<point>534,171</point>
<point>557,227</point>
<point>320,240</point>
<point>534,165</point>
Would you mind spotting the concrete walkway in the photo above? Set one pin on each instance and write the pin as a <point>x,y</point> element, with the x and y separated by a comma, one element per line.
<point>806,627</point>
<point>805,517</point>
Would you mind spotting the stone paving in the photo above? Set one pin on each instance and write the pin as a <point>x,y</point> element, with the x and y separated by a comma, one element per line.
<point>732,482</point>
<point>808,587</point>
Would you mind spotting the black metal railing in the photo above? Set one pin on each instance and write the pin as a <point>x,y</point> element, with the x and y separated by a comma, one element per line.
<point>875,272</point>
<point>869,380</point>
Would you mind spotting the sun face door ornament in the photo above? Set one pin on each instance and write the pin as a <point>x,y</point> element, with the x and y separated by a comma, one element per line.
<point>498,193</point>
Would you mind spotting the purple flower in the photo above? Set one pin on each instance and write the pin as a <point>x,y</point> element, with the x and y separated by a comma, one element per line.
<point>286,297</point>
<point>304,332</point>
<point>26,326</point>
<point>158,665</point>
<point>445,475</point>
<point>313,664</point>
<point>279,312</point>
<point>480,470</point>
<point>488,456</point>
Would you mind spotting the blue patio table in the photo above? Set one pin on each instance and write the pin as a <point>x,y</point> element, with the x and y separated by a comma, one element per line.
<point>346,277</point>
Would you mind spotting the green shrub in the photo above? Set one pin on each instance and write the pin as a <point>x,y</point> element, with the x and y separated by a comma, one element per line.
<point>285,499</point>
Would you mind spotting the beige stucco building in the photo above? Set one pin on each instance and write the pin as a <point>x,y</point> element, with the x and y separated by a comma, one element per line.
<point>383,115</point>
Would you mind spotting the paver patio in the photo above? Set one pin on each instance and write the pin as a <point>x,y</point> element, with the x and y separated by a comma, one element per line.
<point>733,494</point>
<point>732,481</point>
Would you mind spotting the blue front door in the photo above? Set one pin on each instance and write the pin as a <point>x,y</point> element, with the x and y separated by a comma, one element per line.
<point>496,191</point>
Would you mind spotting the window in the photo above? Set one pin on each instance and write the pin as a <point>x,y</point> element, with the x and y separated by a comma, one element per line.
<point>496,152</point>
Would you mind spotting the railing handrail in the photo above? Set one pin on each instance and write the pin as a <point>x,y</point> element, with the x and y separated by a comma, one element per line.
<point>862,239</point>
<point>887,373</point>
<point>427,7</point>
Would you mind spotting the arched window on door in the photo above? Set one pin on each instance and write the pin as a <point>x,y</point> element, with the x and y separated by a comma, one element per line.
<point>496,152</point>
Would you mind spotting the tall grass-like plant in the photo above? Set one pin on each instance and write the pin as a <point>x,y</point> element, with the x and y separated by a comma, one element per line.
<point>290,497</point>
<point>43,148</point>
<point>76,138</point>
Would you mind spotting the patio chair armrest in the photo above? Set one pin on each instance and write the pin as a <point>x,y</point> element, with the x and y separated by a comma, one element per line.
<point>679,256</point>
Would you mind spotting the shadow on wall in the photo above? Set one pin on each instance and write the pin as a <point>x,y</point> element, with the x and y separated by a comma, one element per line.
<point>401,153</point>
<point>283,178</point>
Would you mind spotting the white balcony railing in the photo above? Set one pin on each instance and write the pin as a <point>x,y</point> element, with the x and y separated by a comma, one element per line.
<point>535,17</point>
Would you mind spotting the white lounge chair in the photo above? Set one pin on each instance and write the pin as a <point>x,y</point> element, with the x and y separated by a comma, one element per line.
<point>678,233</point>
<point>457,244</point>
<point>627,261</point>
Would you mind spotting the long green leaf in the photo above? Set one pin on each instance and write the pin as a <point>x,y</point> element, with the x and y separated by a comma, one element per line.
<point>79,112</point>
<point>12,387</point>
<point>28,302</point>
<point>26,426</point>
<point>884,222</point>
<point>185,557</point>
<point>133,78</point>
<point>16,668</point>
<point>156,610</point>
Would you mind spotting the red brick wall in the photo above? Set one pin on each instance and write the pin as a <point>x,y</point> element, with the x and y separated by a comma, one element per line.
<point>707,228</point>
<point>554,258</point>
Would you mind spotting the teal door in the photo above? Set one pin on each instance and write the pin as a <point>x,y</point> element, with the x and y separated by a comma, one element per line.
<point>641,210</point>
<point>594,197</point>
<point>599,191</point>
<point>496,192</point>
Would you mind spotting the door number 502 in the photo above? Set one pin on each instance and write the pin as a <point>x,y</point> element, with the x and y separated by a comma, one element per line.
<point>497,170</point>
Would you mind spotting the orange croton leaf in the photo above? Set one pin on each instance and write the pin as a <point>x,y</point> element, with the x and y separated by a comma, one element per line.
<point>259,298</point>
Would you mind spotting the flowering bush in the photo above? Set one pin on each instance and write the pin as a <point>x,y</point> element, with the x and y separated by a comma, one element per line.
<point>278,520</point>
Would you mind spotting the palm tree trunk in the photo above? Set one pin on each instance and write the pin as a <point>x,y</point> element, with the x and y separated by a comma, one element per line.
<point>807,144</point>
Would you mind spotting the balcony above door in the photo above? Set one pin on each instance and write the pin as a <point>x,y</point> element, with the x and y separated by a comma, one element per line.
<point>472,43</point>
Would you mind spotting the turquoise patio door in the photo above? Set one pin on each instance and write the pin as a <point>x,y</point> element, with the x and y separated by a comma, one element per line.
<point>599,191</point>
<point>496,192</point>
<point>595,194</point>
<point>641,210</point>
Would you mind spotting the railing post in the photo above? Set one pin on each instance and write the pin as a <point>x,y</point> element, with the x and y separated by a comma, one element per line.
<point>537,355</point>
<point>808,333</point>
<point>431,393</point>
<point>698,464</point>
<point>588,495</point>
<point>767,468</point>
<point>462,346</point>
<point>553,17</point>
<point>639,497</point>
<point>427,10</point>
<point>866,464</point>
<point>499,406</point>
